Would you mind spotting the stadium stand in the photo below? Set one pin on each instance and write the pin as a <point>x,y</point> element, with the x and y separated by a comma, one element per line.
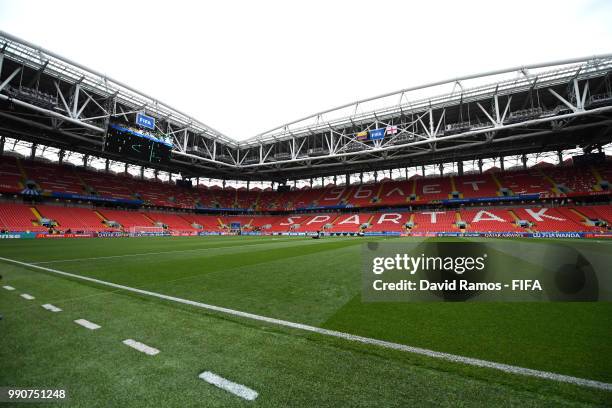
<point>389,221</point>
<point>400,201</point>
<point>350,222</point>
<point>549,219</point>
<point>18,218</point>
<point>438,188</point>
<point>127,219</point>
<point>207,222</point>
<point>10,175</point>
<point>74,218</point>
<point>171,221</point>
<point>49,179</point>
<point>24,217</point>
<point>490,220</point>
<point>604,212</point>
<point>473,186</point>
<point>436,221</point>
<point>524,182</point>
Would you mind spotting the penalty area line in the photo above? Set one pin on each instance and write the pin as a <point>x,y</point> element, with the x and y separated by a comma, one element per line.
<point>346,336</point>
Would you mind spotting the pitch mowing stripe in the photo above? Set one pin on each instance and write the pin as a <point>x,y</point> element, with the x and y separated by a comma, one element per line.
<point>346,336</point>
<point>237,389</point>
<point>87,324</point>
<point>27,297</point>
<point>51,308</point>
<point>141,347</point>
<point>7,287</point>
<point>154,253</point>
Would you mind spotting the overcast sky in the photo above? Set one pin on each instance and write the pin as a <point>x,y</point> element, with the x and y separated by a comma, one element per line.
<point>244,67</point>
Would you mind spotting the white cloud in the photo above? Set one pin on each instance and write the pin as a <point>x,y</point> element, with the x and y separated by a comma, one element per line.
<point>244,67</point>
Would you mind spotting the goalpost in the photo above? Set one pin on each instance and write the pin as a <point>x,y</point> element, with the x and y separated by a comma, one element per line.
<point>146,230</point>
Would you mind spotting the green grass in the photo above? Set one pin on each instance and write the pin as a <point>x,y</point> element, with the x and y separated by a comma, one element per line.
<point>317,282</point>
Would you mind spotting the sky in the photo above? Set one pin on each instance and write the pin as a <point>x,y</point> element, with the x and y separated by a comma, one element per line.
<point>244,67</point>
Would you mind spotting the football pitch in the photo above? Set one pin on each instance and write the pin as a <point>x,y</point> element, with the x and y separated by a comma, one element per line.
<point>300,280</point>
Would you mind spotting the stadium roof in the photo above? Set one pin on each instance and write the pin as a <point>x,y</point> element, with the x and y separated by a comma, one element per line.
<point>554,105</point>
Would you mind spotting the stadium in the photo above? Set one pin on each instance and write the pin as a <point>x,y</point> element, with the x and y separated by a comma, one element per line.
<point>150,260</point>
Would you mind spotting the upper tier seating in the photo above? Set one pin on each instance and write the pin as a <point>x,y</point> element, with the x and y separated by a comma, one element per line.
<point>108,185</point>
<point>10,175</point>
<point>476,185</point>
<point>573,178</point>
<point>524,182</point>
<point>433,188</point>
<point>308,198</point>
<point>51,177</point>
<point>364,195</point>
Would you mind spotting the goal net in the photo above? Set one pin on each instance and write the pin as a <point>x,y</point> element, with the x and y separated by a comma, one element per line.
<point>146,230</point>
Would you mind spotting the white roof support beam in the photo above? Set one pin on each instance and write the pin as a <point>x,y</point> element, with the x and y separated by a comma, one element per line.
<point>563,100</point>
<point>52,114</point>
<point>78,114</point>
<point>463,135</point>
<point>493,121</point>
<point>9,79</point>
<point>579,104</point>
<point>75,101</point>
<point>61,95</point>
<point>497,118</point>
<point>584,94</point>
<point>506,110</point>
<point>440,121</point>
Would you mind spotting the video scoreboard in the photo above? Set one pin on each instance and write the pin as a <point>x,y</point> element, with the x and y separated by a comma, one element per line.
<point>136,145</point>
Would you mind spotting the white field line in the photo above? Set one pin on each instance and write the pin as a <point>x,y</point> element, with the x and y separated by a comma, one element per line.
<point>87,324</point>
<point>7,287</point>
<point>51,308</point>
<point>141,347</point>
<point>346,336</point>
<point>236,389</point>
<point>149,253</point>
<point>27,297</point>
